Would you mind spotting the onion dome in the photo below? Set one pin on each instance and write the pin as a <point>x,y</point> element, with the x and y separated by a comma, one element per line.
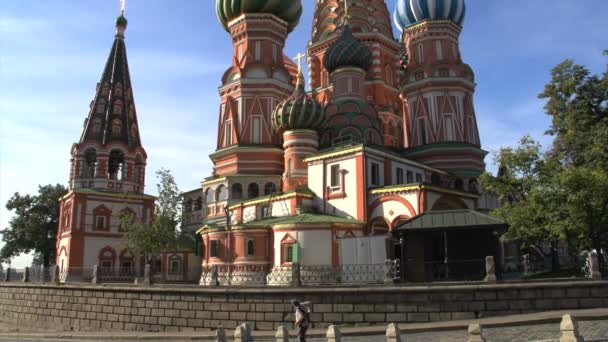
<point>411,12</point>
<point>288,10</point>
<point>348,51</point>
<point>122,21</point>
<point>298,111</point>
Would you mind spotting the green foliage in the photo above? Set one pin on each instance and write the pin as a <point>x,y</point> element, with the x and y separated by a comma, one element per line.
<point>34,226</point>
<point>151,238</point>
<point>524,186</point>
<point>562,194</point>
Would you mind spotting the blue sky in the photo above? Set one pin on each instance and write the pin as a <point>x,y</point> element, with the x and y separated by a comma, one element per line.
<point>52,54</point>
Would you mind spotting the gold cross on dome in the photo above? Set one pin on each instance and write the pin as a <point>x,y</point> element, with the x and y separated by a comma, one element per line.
<point>346,15</point>
<point>299,59</point>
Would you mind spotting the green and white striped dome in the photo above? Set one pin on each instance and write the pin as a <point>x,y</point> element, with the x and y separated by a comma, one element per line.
<point>298,111</point>
<point>288,10</point>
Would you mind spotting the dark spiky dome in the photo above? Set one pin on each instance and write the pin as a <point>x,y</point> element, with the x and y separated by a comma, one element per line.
<point>348,51</point>
<point>122,21</point>
<point>288,10</point>
<point>298,111</point>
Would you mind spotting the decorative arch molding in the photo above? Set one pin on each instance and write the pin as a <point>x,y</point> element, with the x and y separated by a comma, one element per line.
<point>107,259</point>
<point>101,218</point>
<point>389,198</point>
<point>373,222</point>
<point>399,218</point>
<point>448,202</point>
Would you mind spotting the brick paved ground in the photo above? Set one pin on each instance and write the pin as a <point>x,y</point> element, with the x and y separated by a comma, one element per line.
<point>591,331</point>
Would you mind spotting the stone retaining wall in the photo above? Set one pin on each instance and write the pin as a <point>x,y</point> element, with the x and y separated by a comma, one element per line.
<point>170,309</point>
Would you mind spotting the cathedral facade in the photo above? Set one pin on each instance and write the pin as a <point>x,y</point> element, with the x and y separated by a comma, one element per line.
<point>386,133</point>
<point>383,144</point>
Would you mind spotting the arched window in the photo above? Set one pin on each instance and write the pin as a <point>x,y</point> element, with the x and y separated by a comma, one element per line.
<point>269,188</point>
<point>96,126</point>
<point>101,218</point>
<point>237,191</point>
<point>90,163</point>
<point>188,205</point>
<point>100,106</point>
<point>253,190</point>
<point>473,185</point>
<point>221,193</point>
<point>209,196</point>
<point>127,263</point>
<point>116,165</point>
<point>139,170</point>
<point>388,75</point>
<point>107,258</point>
<point>435,179</point>
<point>116,127</point>
<point>250,247</point>
<point>198,203</point>
<point>175,264</point>
<point>458,184</point>
<point>117,108</point>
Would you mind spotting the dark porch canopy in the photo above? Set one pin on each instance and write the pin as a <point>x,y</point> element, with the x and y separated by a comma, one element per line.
<point>447,245</point>
<point>450,220</point>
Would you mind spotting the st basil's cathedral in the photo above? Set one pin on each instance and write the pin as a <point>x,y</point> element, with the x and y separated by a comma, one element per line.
<point>381,151</point>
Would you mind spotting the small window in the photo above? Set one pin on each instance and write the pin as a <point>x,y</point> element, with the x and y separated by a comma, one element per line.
<point>439,48</point>
<point>270,188</point>
<point>399,176</point>
<point>100,222</point>
<point>237,191</point>
<point>422,131</point>
<point>375,174</point>
<point>435,179</point>
<point>250,248</point>
<point>253,191</point>
<point>287,255</point>
<point>258,50</point>
<point>175,265</point>
<point>458,184</point>
<point>214,250</point>
<point>421,53</point>
<point>418,178</point>
<point>449,128</point>
<point>228,134</point>
<point>257,130</point>
<point>410,177</point>
<point>335,175</point>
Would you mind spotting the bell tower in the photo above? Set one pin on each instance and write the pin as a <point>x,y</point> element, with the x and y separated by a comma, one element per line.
<point>107,173</point>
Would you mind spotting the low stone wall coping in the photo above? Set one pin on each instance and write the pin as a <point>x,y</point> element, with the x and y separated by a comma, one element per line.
<point>316,289</point>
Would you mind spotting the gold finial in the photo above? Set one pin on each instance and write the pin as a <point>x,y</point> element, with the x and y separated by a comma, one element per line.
<point>346,15</point>
<point>300,79</point>
<point>299,59</point>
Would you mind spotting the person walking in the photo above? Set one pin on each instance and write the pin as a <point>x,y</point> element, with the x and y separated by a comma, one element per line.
<point>302,315</point>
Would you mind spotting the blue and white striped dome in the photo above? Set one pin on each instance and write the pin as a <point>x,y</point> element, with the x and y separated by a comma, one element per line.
<point>410,12</point>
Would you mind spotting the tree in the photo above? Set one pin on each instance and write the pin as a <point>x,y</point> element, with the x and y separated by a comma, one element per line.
<point>34,226</point>
<point>525,185</point>
<point>562,194</point>
<point>151,238</point>
<point>578,104</point>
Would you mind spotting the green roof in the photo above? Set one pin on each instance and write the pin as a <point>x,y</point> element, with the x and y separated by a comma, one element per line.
<point>303,219</point>
<point>450,219</point>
